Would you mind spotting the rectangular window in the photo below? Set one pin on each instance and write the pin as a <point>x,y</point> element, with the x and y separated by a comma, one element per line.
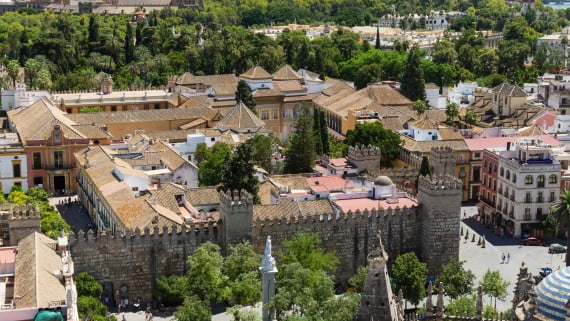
<point>38,181</point>
<point>527,199</point>
<point>58,159</point>
<point>265,115</point>
<point>286,114</point>
<point>16,169</point>
<point>275,114</point>
<point>552,197</point>
<point>37,161</point>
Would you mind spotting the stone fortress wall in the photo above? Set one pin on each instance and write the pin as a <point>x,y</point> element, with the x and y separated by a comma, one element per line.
<point>136,259</point>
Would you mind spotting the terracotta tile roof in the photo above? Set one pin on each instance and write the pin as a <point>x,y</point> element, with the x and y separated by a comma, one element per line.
<point>286,73</point>
<point>448,133</point>
<point>35,282</point>
<point>289,209</point>
<point>291,181</point>
<point>203,196</point>
<point>289,86</point>
<point>509,90</point>
<point>256,72</point>
<point>266,93</point>
<point>91,131</point>
<point>190,79</point>
<point>369,204</point>
<point>195,123</point>
<point>426,146</point>
<point>157,154</point>
<point>241,117</point>
<point>423,123</point>
<point>132,116</point>
<point>385,95</point>
<point>131,211</point>
<point>37,122</point>
<point>329,183</point>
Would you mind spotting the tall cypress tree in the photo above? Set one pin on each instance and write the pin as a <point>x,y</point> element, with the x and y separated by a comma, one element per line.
<point>412,84</point>
<point>93,32</point>
<point>300,155</point>
<point>317,130</point>
<point>238,174</point>
<point>377,45</point>
<point>129,44</point>
<point>324,133</point>
<point>243,94</point>
<point>425,169</point>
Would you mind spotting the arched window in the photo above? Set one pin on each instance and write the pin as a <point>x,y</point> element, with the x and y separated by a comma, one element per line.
<point>514,178</point>
<point>508,174</point>
<point>528,179</point>
<point>502,172</point>
<point>552,179</point>
<point>540,180</point>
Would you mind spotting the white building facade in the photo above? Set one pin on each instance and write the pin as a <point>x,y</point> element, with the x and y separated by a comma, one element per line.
<point>528,181</point>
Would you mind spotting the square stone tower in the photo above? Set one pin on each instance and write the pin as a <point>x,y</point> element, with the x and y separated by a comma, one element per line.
<point>23,221</point>
<point>236,212</point>
<point>440,209</point>
<point>365,158</point>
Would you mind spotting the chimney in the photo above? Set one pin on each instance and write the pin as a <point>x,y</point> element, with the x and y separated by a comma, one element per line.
<point>107,85</point>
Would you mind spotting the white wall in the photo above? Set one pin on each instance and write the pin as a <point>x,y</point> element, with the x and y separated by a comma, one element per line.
<point>7,173</point>
<point>20,98</point>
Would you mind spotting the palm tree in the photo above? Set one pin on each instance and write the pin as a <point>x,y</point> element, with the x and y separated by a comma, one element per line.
<point>420,107</point>
<point>561,211</point>
<point>452,111</point>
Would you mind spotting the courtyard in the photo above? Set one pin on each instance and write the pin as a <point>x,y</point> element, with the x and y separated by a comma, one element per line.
<point>480,259</point>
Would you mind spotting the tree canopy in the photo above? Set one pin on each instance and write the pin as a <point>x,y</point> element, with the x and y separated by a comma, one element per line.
<point>301,152</point>
<point>238,172</point>
<point>410,276</point>
<point>457,280</point>
<point>376,135</point>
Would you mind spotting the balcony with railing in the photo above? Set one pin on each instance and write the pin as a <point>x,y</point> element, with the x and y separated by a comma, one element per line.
<point>512,197</point>
<point>528,200</point>
<point>540,200</point>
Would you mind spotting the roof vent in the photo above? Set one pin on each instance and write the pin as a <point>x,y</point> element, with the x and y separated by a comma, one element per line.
<point>392,200</point>
<point>316,182</point>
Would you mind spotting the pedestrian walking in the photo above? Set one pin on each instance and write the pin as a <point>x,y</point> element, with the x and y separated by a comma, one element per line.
<point>124,319</point>
<point>464,214</point>
<point>503,258</point>
<point>508,257</point>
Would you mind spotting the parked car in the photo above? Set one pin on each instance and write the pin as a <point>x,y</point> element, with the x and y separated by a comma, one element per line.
<point>531,241</point>
<point>556,248</point>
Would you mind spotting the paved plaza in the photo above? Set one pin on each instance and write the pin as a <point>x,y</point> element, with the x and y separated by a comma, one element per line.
<point>480,259</point>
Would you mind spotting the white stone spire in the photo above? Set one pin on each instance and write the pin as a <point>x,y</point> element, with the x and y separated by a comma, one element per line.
<point>268,270</point>
<point>268,262</point>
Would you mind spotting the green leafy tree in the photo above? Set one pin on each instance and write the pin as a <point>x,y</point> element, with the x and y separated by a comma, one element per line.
<point>470,117</point>
<point>193,309</point>
<point>549,223</point>
<point>457,280</point>
<point>205,277</point>
<point>92,309</point>
<point>241,269</point>
<point>358,280</point>
<point>211,168</point>
<point>410,276</point>
<point>376,135</point>
<point>412,83</point>
<point>443,52</point>
<point>420,106</point>
<point>38,195</point>
<point>494,286</point>
<point>201,153</point>
<point>238,174</point>
<point>560,209</point>
<point>324,132</point>
<point>243,94</point>
<point>368,74</point>
<point>18,198</point>
<point>13,71</point>
<point>306,249</point>
<point>452,112</point>
<point>87,285</point>
<point>463,306</point>
<point>171,289</point>
<point>301,154</point>
<point>93,32</point>
<point>262,149</point>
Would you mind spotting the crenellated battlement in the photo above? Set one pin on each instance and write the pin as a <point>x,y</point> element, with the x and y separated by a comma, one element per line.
<point>24,212</point>
<point>355,151</point>
<point>190,231</point>
<point>445,182</point>
<point>365,158</point>
<point>236,198</point>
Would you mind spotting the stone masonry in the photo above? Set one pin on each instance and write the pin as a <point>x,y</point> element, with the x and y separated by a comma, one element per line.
<point>133,261</point>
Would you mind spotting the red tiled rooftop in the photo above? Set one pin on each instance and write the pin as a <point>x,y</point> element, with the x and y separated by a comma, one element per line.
<point>330,183</point>
<point>7,260</point>
<point>338,162</point>
<point>478,144</point>
<point>548,118</point>
<point>367,203</point>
